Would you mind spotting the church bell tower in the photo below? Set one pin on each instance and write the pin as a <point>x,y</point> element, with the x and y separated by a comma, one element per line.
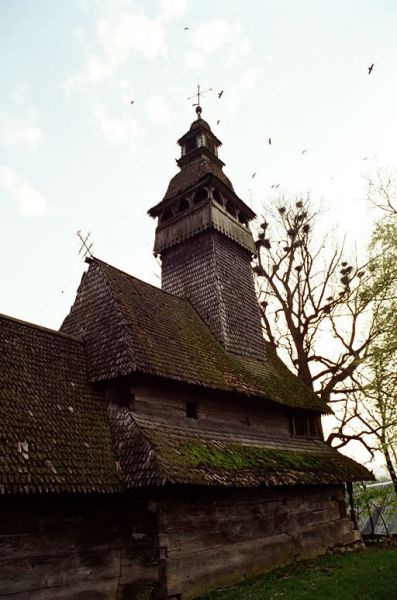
<point>206,246</point>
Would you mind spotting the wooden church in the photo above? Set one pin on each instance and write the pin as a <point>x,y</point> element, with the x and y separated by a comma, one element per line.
<point>154,446</point>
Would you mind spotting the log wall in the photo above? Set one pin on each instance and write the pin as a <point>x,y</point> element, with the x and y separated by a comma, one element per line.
<point>215,537</point>
<point>214,410</point>
<point>69,549</point>
<point>177,542</point>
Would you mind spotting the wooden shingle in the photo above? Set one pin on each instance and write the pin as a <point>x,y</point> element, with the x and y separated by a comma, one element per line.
<point>131,327</point>
<point>54,435</point>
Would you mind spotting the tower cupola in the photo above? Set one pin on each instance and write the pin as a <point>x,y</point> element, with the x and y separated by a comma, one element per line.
<point>199,140</point>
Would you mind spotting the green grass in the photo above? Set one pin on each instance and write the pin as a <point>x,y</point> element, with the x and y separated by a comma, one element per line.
<point>369,574</point>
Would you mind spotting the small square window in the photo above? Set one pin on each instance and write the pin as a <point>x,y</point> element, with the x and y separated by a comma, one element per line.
<point>313,426</point>
<point>301,424</point>
<point>191,410</point>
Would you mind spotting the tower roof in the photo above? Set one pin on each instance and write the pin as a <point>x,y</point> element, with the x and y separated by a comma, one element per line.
<point>156,333</point>
<point>196,126</point>
<point>198,163</point>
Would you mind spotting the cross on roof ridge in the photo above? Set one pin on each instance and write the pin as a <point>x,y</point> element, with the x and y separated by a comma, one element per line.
<point>197,96</point>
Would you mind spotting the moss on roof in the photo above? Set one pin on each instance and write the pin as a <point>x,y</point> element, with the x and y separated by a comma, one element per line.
<point>268,461</point>
<point>130,326</point>
<point>200,456</point>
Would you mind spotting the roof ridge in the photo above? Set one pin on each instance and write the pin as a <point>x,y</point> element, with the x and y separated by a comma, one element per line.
<point>41,328</point>
<point>98,260</point>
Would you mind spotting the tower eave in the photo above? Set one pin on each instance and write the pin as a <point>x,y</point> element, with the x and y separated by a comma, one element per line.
<point>209,178</point>
<point>195,154</point>
<point>202,218</point>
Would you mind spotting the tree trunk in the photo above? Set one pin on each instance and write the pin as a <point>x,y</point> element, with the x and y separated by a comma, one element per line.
<point>389,464</point>
<point>349,487</point>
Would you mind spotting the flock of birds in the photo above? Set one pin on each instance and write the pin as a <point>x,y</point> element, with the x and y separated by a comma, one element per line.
<point>274,186</point>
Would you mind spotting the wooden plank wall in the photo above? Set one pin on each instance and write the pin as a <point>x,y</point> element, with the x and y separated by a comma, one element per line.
<point>190,540</point>
<point>218,536</point>
<point>215,410</point>
<point>102,549</point>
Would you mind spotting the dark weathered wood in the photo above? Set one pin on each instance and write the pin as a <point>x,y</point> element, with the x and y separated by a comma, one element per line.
<point>93,590</point>
<point>44,571</point>
<point>60,548</point>
<point>214,540</point>
<point>214,409</point>
<point>180,540</point>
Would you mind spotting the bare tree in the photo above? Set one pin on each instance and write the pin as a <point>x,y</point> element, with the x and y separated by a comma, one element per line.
<point>317,310</point>
<point>382,192</point>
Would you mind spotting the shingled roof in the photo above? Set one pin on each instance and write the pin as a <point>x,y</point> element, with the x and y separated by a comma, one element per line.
<point>130,327</point>
<point>54,436</point>
<point>156,453</point>
<point>191,175</point>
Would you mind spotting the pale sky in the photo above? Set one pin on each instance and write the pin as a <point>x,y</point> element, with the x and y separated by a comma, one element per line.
<point>76,155</point>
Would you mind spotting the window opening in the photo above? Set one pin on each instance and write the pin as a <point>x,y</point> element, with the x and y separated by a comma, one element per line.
<point>167,214</point>
<point>183,205</point>
<point>190,144</point>
<point>200,195</point>
<point>210,145</point>
<point>243,219</point>
<point>300,424</point>
<point>304,425</point>
<point>191,410</point>
<point>230,208</point>
<point>217,196</point>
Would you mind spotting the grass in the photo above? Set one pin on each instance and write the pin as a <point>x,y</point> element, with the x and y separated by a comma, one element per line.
<point>368,574</point>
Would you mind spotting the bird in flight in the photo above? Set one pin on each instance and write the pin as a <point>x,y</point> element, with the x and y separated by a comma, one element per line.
<point>186,28</point>
<point>370,68</point>
<point>132,101</point>
<point>270,141</point>
<point>303,151</point>
<point>253,175</point>
<point>220,94</point>
<point>218,121</point>
<point>276,186</point>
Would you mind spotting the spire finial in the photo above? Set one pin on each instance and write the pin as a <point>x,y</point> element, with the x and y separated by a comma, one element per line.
<point>197,96</point>
<point>86,244</point>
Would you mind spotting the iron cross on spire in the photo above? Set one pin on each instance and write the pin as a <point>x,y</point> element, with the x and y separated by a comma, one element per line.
<point>197,96</point>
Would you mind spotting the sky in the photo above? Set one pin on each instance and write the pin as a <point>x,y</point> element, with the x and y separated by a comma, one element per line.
<point>76,155</point>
